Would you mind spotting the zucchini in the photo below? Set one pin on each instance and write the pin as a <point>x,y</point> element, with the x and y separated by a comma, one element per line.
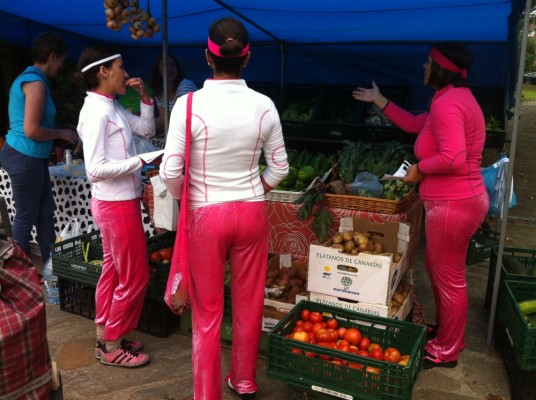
<point>527,306</point>
<point>531,319</point>
<point>514,266</point>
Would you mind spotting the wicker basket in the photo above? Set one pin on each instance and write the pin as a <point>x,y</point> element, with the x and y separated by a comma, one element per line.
<point>369,203</point>
<point>283,196</point>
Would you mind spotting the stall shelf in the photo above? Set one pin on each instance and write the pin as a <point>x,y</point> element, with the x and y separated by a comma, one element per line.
<point>288,234</point>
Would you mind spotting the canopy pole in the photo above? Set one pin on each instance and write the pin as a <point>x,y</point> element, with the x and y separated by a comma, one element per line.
<point>510,170</point>
<point>165,66</point>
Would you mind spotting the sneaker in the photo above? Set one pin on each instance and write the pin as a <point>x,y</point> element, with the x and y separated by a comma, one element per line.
<point>431,361</point>
<point>123,357</point>
<point>134,345</point>
<point>245,396</point>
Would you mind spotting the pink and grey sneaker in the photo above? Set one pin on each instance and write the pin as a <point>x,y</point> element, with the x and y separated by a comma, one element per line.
<point>430,361</point>
<point>124,357</point>
<point>134,345</point>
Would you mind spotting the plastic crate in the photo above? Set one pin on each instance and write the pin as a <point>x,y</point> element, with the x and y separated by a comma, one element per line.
<point>480,246</point>
<point>337,115</point>
<point>522,383</point>
<point>79,298</point>
<point>298,107</point>
<point>68,258</point>
<point>526,257</point>
<point>226,333</point>
<point>287,360</point>
<point>374,126</point>
<point>522,335</point>
<point>68,261</point>
<point>492,100</point>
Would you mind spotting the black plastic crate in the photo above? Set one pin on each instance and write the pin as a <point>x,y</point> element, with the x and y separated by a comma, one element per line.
<point>374,126</point>
<point>526,257</point>
<point>337,115</point>
<point>492,100</point>
<point>79,298</point>
<point>297,108</point>
<point>522,383</point>
<point>480,246</point>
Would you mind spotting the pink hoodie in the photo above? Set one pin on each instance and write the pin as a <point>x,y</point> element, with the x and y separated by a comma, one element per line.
<point>450,144</point>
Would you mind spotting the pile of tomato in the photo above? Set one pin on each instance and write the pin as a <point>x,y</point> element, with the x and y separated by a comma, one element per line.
<point>313,328</point>
<point>163,255</point>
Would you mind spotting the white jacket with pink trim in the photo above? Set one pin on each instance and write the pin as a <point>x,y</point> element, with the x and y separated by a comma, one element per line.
<point>231,125</point>
<point>106,130</point>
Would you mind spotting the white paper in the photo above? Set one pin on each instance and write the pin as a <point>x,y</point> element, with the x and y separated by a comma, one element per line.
<point>151,156</point>
<point>400,174</point>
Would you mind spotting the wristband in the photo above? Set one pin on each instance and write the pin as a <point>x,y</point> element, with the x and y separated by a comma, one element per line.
<point>150,102</point>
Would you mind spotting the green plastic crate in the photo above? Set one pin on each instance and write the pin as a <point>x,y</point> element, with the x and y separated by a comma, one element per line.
<point>526,257</point>
<point>287,362</point>
<point>68,261</point>
<point>480,246</point>
<point>68,258</point>
<point>522,335</point>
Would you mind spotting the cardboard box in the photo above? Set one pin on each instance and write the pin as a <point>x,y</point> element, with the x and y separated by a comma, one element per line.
<point>364,277</point>
<point>365,308</point>
<point>274,310</point>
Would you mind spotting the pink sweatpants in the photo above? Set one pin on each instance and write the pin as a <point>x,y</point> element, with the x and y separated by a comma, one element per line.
<point>449,227</point>
<point>238,230</point>
<point>125,269</point>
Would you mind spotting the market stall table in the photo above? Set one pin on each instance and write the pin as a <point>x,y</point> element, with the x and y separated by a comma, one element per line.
<point>290,235</point>
<point>72,193</point>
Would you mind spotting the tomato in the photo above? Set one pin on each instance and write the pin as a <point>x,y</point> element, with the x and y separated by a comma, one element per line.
<point>299,323</point>
<point>315,317</point>
<point>364,343</point>
<point>322,335</point>
<point>310,354</point>
<point>377,353</point>
<point>305,314</point>
<point>343,347</point>
<point>155,256</point>
<point>329,346</point>
<point>342,331</point>
<point>298,329</point>
<point>373,370</point>
<point>332,323</point>
<point>166,253</point>
<point>296,351</point>
<point>391,354</point>
<point>333,335</point>
<point>317,326</point>
<point>301,336</point>
<point>307,326</point>
<point>355,365</point>
<point>353,335</point>
<point>343,342</point>
<point>374,346</point>
<point>363,353</point>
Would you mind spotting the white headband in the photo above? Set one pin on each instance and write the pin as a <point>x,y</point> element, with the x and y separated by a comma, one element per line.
<point>100,62</point>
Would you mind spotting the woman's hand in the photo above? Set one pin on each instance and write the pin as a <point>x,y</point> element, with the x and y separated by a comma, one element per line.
<point>69,135</point>
<point>370,96</point>
<point>413,175</point>
<point>138,85</point>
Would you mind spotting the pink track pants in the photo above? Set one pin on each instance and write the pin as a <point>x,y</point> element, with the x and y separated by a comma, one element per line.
<point>449,227</point>
<point>125,269</point>
<point>239,230</point>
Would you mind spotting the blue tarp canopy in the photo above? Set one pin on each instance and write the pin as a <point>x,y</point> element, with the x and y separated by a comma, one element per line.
<point>300,41</point>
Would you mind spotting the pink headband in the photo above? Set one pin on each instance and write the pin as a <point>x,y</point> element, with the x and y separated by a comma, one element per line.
<point>215,49</point>
<point>446,63</point>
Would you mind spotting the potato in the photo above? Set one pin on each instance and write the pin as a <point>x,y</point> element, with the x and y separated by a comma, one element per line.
<point>346,236</point>
<point>378,248</point>
<point>360,239</point>
<point>337,246</point>
<point>397,256</point>
<point>349,245</point>
<point>354,252</point>
<point>337,239</point>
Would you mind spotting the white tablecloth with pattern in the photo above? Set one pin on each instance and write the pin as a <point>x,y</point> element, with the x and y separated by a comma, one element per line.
<point>72,195</point>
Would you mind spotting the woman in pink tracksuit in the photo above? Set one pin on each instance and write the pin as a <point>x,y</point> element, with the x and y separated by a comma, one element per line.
<point>231,126</point>
<point>449,148</point>
<point>114,170</point>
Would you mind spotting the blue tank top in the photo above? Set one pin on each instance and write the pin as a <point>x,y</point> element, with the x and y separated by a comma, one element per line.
<point>16,137</point>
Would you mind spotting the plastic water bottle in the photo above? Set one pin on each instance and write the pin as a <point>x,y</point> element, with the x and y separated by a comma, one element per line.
<point>68,156</point>
<point>52,288</point>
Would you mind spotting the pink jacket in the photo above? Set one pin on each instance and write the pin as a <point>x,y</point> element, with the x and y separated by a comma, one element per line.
<point>450,144</point>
